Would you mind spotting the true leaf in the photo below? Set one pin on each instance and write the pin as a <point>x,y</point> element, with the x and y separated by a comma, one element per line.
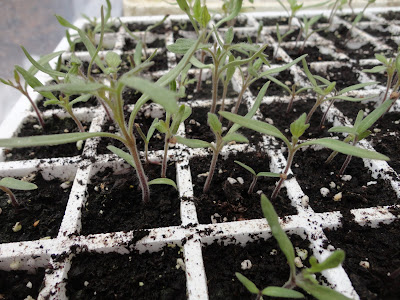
<point>332,261</point>
<point>275,291</point>
<point>192,143</point>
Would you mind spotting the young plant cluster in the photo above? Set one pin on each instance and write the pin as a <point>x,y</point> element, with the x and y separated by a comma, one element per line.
<point>73,83</point>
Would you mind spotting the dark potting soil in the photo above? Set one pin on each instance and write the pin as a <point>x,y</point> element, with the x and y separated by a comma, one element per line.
<point>40,212</point>
<point>390,15</point>
<point>240,38</point>
<point>386,138</point>
<point>273,21</point>
<point>142,27</point>
<point>115,202</point>
<point>380,248</point>
<point>156,142</point>
<point>130,276</point>
<point>351,109</point>
<point>273,89</point>
<point>343,76</point>
<point>231,202</point>
<point>360,191</point>
<point>378,31</point>
<point>343,44</point>
<point>269,267</point>
<point>282,120</point>
<point>53,125</point>
<point>206,90</point>
<point>13,284</point>
<point>181,25</point>
<point>196,126</point>
<point>314,55</point>
<point>130,44</point>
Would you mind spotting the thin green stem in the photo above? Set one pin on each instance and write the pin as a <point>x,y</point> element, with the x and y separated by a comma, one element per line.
<point>314,108</point>
<point>252,185</point>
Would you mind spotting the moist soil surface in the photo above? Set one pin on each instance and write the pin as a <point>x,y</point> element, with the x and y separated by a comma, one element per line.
<point>276,111</point>
<point>269,267</point>
<point>273,90</point>
<point>359,192</point>
<point>313,53</point>
<point>343,76</point>
<point>230,201</point>
<point>377,246</point>
<point>115,202</point>
<point>13,284</point>
<point>131,276</point>
<point>196,126</point>
<point>40,212</point>
<point>53,125</point>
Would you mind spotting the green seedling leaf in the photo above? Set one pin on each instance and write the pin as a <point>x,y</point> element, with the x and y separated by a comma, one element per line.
<point>197,10</point>
<point>357,86</point>
<point>124,155</point>
<point>268,174</point>
<point>382,59</point>
<point>321,292</point>
<point>254,125</point>
<point>163,181</point>
<point>235,137</point>
<point>177,119</point>
<point>83,98</point>
<point>192,143</point>
<point>113,60</point>
<point>374,116</point>
<point>34,82</point>
<point>308,73</point>
<point>252,288</point>
<point>375,69</point>
<point>159,94</point>
<point>205,16</point>
<point>228,38</point>
<point>85,40</point>
<point>152,128</point>
<point>181,46</point>
<point>345,148</point>
<point>333,261</point>
<point>44,60</point>
<point>280,69</point>
<point>235,11</point>
<point>40,67</point>
<point>184,6</point>
<point>77,87</point>
<point>51,102</point>
<point>280,83</point>
<point>198,64</point>
<point>246,167</point>
<point>298,127</point>
<point>15,184</point>
<point>284,243</point>
<point>137,56</point>
<point>214,123</point>
<point>162,126</point>
<point>53,139</point>
<point>275,291</point>
<point>342,129</point>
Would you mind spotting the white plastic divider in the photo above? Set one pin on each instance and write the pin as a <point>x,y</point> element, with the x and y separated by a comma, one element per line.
<point>56,254</point>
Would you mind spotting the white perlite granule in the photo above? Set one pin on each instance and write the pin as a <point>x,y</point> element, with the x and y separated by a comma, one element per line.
<point>324,191</point>
<point>246,264</point>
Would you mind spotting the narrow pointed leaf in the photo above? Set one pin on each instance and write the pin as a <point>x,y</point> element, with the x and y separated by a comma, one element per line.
<point>258,126</point>
<point>34,82</point>
<point>357,86</point>
<point>43,60</point>
<point>235,137</point>
<point>236,10</point>
<point>375,69</point>
<point>214,123</point>
<point>342,129</point>
<point>82,98</point>
<point>40,67</point>
<point>275,291</point>
<point>284,243</point>
<point>246,167</point>
<point>192,143</point>
<point>332,261</point>
<point>280,69</point>
<point>124,155</point>
<point>15,184</point>
<point>247,283</point>
<point>372,117</point>
<point>160,95</point>
<point>321,292</point>
<point>345,148</point>
<point>268,174</point>
<point>152,128</point>
<point>163,181</point>
<point>53,139</point>
<point>72,88</point>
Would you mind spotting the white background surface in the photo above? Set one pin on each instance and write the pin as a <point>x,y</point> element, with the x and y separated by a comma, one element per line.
<point>33,24</point>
